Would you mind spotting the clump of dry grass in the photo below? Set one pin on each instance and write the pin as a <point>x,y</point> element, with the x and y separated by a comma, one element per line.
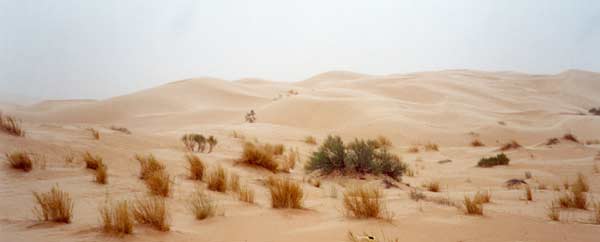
<point>11,125</point>
<point>483,197</point>
<point>237,135</point>
<point>413,149</point>
<point>120,129</point>
<point>363,202</point>
<point>311,140</point>
<point>510,146</point>
<point>574,198</point>
<point>151,211</point>
<point>596,214</point>
<point>383,142</point>
<point>159,183</point>
<point>55,205</point>
<point>433,186</point>
<point>234,182</point>
<point>286,193</point>
<point>92,161</point>
<point>431,147</point>
<point>552,141</point>
<point>102,174</point>
<point>95,133</point>
<point>582,183</point>
<point>528,193</point>
<point>201,205</point>
<point>259,156</point>
<point>290,160</point>
<point>476,143</point>
<point>117,217</point>
<point>196,167</point>
<point>553,212</point>
<point>276,149</point>
<point>217,180</point>
<point>570,137</point>
<point>473,206</point>
<point>148,165</point>
<point>20,160</point>
<point>246,194</point>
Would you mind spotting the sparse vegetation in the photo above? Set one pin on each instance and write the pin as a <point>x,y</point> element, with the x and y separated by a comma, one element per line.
<point>151,211</point>
<point>55,205</point>
<point>251,117</point>
<point>476,143</point>
<point>212,142</point>
<point>95,133</point>
<point>159,183</point>
<point>359,156</point>
<point>315,182</point>
<point>285,193</point>
<point>433,186</point>
<point>528,175</point>
<point>500,159</point>
<point>483,197</point>
<point>196,167</point>
<point>117,217</point>
<point>574,198</point>
<point>553,212</point>
<point>552,141</point>
<point>11,125</point>
<point>592,142</point>
<point>20,160</point>
<point>102,174</point>
<point>217,180</point>
<point>290,160</point>
<point>512,145</point>
<point>246,194</point>
<point>383,142</point>
<point>596,214</point>
<point>259,156</point>
<point>234,182</point>
<point>201,205</point>
<point>197,142</point>
<point>528,193</point>
<point>473,206</point>
<point>363,202</point>
<point>92,161</point>
<point>120,129</point>
<point>594,111</point>
<point>311,140</point>
<point>148,165</point>
<point>582,183</point>
<point>570,137</point>
<point>431,147</point>
<point>413,149</point>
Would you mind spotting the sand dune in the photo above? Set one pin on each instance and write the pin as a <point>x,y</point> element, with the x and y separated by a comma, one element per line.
<point>450,108</point>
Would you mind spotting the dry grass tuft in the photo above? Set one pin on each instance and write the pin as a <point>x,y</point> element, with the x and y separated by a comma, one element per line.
<point>237,135</point>
<point>234,182</point>
<point>476,143</point>
<point>159,183</point>
<point>201,205</point>
<point>55,205</point>
<point>383,142</point>
<point>510,146</point>
<point>151,211</point>
<point>433,186</point>
<point>528,175</point>
<point>311,140</point>
<point>92,161</point>
<point>363,202</point>
<point>574,198</point>
<point>259,156</point>
<point>528,193</point>
<point>95,133</point>
<point>120,129</point>
<point>596,214</point>
<point>117,218</point>
<point>581,183</point>
<point>553,212</point>
<point>20,160</point>
<point>11,125</point>
<point>483,197</point>
<point>473,206</point>
<point>148,165</point>
<point>290,160</point>
<point>102,174</point>
<point>196,167</point>
<point>217,180</point>
<point>413,149</point>
<point>246,194</point>
<point>431,147</point>
<point>570,137</point>
<point>552,141</point>
<point>285,193</point>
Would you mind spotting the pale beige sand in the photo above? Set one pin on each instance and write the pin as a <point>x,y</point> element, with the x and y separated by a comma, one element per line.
<point>441,107</point>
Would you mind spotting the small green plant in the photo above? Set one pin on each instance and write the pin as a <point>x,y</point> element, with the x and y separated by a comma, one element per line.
<point>500,159</point>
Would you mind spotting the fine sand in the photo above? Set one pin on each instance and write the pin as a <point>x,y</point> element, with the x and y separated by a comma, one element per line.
<point>449,108</point>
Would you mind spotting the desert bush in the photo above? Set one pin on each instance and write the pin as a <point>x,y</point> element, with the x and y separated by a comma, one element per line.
<point>363,202</point>
<point>476,143</point>
<point>581,183</point>
<point>360,157</point>
<point>200,141</point>
<point>574,198</point>
<point>510,146</point>
<point>286,193</point>
<point>120,129</point>
<point>552,141</point>
<point>217,180</point>
<point>117,217</point>
<point>20,160</point>
<point>250,116</point>
<point>201,205</point>
<point>570,137</point>
<point>188,142</point>
<point>483,197</point>
<point>433,186</point>
<point>95,133</point>
<point>55,205</point>
<point>212,141</point>
<point>151,211</point>
<point>259,156</point>
<point>148,165</point>
<point>472,206</point>
<point>196,167</point>
<point>246,194</point>
<point>528,193</point>
<point>11,125</point>
<point>500,159</point>
<point>431,147</point>
<point>330,156</point>
<point>92,161</point>
<point>311,140</point>
<point>553,212</point>
<point>159,183</point>
<point>276,149</point>
<point>102,174</point>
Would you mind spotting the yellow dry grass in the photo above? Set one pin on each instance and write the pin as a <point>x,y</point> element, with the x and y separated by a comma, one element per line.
<point>286,193</point>
<point>55,205</point>
<point>20,160</point>
<point>151,211</point>
<point>148,165</point>
<point>217,180</point>
<point>196,167</point>
<point>116,217</point>
<point>363,202</point>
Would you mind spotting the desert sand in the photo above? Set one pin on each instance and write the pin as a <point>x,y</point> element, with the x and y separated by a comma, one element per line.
<point>449,108</point>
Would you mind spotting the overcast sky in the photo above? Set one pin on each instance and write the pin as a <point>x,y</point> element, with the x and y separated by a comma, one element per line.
<point>98,49</point>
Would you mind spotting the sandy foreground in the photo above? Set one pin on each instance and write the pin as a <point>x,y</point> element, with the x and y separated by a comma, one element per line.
<point>449,108</point>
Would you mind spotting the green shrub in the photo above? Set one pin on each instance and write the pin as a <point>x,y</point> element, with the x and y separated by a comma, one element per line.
<point>360,156</point>
<point>329,157</point>
<point>500,159</point>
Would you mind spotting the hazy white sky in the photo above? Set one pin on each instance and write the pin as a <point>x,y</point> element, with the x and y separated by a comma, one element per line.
<point>102,48</point>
